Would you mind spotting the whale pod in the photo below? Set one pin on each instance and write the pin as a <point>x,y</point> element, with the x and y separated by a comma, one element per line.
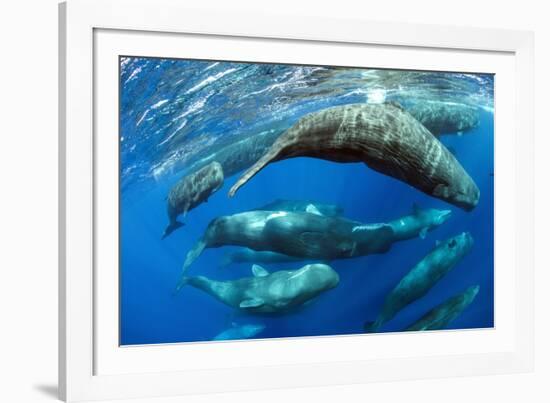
<point>383,136</point>
<point>422,277</point>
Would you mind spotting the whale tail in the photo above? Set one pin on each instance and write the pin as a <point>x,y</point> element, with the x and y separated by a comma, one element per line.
<point>191,256</point>
<point>184,280</point>
<point>171,228</point>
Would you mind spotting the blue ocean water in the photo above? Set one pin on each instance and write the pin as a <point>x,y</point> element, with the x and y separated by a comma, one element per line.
<point>173,113</point>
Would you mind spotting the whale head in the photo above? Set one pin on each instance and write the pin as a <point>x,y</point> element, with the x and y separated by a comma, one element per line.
<point>463,193</point>
<point>457,247</point>
<point>320,276</point>
<point>432,217</point>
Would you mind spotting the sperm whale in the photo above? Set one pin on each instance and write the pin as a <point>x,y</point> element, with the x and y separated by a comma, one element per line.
<point>383,136</point>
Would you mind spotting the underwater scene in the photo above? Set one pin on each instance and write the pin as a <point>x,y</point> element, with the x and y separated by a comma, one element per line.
<point>266,200</point>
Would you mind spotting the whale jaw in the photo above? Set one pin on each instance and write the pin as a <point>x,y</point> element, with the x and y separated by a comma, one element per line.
<point>466,198</point>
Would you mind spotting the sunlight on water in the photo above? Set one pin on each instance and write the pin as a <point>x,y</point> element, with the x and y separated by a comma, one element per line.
<point>376,96</point>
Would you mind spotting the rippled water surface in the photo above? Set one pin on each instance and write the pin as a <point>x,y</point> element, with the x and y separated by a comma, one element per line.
<point>178,115</point>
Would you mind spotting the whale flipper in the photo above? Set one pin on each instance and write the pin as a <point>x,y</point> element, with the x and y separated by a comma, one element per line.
<point>312,209</point>
<point>259,271</point>
<point>251,303</point>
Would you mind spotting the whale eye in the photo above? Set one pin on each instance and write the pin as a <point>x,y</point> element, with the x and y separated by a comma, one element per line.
<point>452,243</point>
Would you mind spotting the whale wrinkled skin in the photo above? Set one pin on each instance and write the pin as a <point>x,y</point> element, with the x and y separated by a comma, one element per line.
<point>265,292</point>
<point>383,136</point>
<point>439,317</point>
<point>422,277</point>
<point>191,191</point>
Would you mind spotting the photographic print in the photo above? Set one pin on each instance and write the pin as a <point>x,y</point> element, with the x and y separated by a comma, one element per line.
<point>262,200</point>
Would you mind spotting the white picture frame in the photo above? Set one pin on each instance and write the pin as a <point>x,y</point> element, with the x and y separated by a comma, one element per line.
<point>81,324</point>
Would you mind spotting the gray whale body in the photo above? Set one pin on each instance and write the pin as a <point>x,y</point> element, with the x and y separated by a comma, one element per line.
<point>191,191</point>
<point>418,223</point>
<point>265,292</point>
<point>383,136</point>
<point>439,317</point>
<point>300,235</point>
